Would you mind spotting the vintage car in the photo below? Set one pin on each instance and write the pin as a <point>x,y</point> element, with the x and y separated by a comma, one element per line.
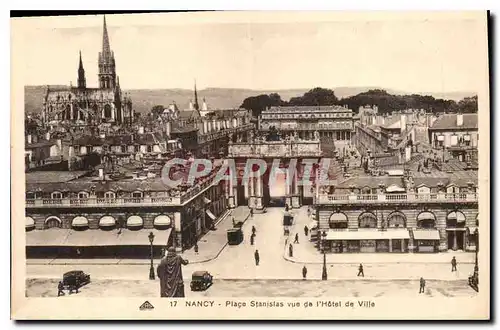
<point>75,279</point>
<point>201,280</point>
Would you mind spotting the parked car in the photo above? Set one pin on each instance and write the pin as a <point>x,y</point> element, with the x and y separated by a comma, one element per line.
<point>201,280</point>
<point>75,278</point>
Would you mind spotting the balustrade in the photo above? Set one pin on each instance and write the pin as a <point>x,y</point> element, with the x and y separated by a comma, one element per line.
<point>394,198</point>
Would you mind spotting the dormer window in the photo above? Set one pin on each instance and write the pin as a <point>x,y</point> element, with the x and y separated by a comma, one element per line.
<point>56,195</point>
<point>83,194</point>
<point>137,194</point>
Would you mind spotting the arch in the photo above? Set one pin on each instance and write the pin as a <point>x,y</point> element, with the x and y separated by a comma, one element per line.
<point>76,112</point>
<point>162,221</point>
<point>30,222</point>
<point>135,221</point>
<point>80,221</point>
<point>338,220</point>
<point>107,111</point>
<point>367,220</point>
<point>107,221</point>
<point>455,219</point>
<point>426,219</point>
<point>52,222</point>
<point>396,219</point>
<point>67,114</point>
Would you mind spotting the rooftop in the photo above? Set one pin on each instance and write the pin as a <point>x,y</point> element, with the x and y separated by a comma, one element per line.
<point>449,121</point>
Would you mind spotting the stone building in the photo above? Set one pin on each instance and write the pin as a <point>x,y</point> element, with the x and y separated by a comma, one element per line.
<point>81,105</point>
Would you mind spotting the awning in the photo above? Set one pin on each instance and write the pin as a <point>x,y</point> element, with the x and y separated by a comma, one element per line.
<point>459,216</point>
<point>429,235</point>
<point>211,215</point>
<point>47,237</point>
<point>80,222</point>
<point>206,200</point>
<point>30,222</point>
<point>426,216</point>
<point>134,221</point>
<point>162,220</point>
<point>367,234</point>
<point>107,221</point>
<point>338,217</point>
<point>124,237</point>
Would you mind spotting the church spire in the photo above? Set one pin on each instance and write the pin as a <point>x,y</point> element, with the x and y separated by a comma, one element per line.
<point>81,74</point>
<point>196,105</point>
<point>106,49</point>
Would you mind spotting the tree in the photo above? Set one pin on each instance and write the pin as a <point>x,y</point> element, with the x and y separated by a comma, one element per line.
<point>157,110</point>
<point>468,104</point>
<point>316,96</point>
<point>260,102</point>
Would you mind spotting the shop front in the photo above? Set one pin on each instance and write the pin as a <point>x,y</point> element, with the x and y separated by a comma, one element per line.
<point>426,240</point>
<point>368,241</point>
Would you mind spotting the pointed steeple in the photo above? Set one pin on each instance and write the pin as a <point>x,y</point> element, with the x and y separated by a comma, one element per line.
<point>196,105</point>
<point>106,49</point>
<point>81,74</point>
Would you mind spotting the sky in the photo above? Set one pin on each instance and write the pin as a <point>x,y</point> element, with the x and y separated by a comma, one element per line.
<point>262,51</point>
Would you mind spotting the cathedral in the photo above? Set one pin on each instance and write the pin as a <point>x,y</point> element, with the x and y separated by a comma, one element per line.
<point>81,106</point>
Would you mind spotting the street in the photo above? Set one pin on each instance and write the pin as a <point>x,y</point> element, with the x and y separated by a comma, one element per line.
<point>262,288</point>
<point>236,274</point>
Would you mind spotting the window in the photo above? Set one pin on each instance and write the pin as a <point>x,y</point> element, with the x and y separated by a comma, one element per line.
<point>52,222</point>
<point>454,140</point>
<point>367,220</point>
<point>396,220</point>
<point>83,194</point>
<point>56,195</point>
<point>137,194</point>
<point>109,194</point>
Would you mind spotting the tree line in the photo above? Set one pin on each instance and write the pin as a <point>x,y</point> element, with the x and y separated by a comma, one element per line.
<point>385,102</point>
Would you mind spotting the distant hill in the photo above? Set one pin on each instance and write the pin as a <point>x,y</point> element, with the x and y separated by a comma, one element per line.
<point>145,99</point>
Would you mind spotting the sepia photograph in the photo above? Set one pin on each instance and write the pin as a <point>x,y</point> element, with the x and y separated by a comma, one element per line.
<point>251,165</point>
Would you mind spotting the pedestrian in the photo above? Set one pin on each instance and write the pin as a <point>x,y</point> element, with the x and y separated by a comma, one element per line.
<point>422,285</point>
<point>254,230</point>
<point>286,241</point>
<point>196,247</point>
<point>287,208</point>
<point>308,212</point>
<point>304,272</point>
<point>453,264</point>
<point>234,222</point>
<point>60,289</point>
<point>296,241</point>
<point>290,250</point>
<point>252,238</point>
<point>306,230</point>
<point>251,213</point>
<point>257,257</point>
<point>360,270</point>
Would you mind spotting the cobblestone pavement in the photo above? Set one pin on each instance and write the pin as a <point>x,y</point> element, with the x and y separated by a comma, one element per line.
<point>262,288</point>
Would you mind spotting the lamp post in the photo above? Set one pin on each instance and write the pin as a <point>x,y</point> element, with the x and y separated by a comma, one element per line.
<point>324,275</point>
<point>151,237</point>
<point>476,266</point>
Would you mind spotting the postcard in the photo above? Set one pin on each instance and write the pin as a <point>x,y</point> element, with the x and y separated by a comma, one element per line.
<point>251,165</point>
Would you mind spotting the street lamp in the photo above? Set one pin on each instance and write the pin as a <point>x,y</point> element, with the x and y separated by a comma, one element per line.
<point>324,275</point>
<point>476,266</point>
<point>151,237</point>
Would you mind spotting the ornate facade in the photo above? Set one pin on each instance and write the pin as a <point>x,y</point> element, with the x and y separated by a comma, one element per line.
<point>82,106</point>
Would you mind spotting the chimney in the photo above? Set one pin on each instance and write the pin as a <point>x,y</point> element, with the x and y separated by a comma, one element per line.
<point>29,138</point>
<point>141,129</point>
<point>460,119</point>
<point>102,135</point>
<point>47,136</point>
<point>101,174</point>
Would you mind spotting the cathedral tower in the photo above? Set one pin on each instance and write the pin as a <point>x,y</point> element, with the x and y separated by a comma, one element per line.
<point>107,70</point>
<point>82,84</point>
<point>196,104</point>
